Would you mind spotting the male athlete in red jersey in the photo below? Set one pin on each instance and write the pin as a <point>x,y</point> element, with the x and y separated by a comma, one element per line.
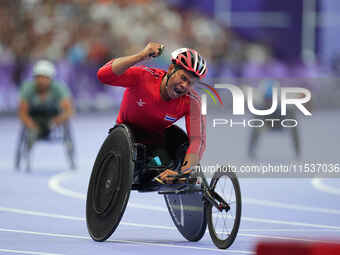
<point>154,99</point>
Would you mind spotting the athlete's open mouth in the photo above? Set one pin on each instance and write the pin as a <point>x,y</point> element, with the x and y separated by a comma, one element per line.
<point>178,91</point>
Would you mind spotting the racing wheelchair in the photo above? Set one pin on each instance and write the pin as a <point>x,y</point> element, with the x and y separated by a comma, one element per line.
<point>55,134</point>
<point>275,127</point>
<point>124,164</point>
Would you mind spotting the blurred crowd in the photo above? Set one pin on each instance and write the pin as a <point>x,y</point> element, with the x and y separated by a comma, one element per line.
<point>87,33</point>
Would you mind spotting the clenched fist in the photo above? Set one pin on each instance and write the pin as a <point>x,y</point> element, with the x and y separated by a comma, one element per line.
<point>152,49</point>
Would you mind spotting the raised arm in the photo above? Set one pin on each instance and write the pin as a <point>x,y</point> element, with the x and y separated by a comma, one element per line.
<point>120,71</point>
<point>120,65</point>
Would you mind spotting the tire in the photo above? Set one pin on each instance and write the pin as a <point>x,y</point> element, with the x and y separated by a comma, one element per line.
<point>219,179</point>
<point>110,184</point>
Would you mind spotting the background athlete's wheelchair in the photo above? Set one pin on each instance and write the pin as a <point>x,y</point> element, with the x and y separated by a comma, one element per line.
<point>58,134</point>
<point>275,126</point>
<point>123,164</point>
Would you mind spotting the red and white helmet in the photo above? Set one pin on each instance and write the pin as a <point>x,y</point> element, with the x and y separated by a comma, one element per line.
<point>191,61</point>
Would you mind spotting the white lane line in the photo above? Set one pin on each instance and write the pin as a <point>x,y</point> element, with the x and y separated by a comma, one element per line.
<point>291,223</point>
<point>183,247</point>
<point>43,233</point>
<point>42,214</point>
<point>151,243</point>
<point>280,238</point>
<point>290,206</point>
<point>55,185</point>
<point>318,227</point>
<point>59,216</point>
<point>287,230</point>
<point>121,241</point>
<point>250,219</point>
<point>320,185</point>
<point>28,252</point>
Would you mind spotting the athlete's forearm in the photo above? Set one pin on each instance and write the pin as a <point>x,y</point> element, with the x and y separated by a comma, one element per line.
<point>62,117</point>
<point>27,121</point>
<point>67,111</point>
<point>120,65</point>
<point>24,116</point>
<point>190,160</point>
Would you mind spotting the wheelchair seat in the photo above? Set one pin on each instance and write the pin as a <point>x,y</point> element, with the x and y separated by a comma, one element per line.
<point>169,152</point>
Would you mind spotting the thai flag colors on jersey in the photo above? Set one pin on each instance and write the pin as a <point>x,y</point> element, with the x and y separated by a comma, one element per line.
<point>143,106</point>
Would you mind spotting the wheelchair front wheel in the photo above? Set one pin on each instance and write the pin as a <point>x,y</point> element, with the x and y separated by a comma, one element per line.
<point>224,221</point>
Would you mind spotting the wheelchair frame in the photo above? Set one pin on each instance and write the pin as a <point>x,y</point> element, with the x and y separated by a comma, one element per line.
<point>58,134</point>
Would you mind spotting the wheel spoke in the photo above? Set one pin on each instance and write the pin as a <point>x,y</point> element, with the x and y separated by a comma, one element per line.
<point>217,216</point>
<point>224,226</point>
<point>231,193</point>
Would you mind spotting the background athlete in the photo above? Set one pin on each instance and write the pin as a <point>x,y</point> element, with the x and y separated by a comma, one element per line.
<point>44,102</point>
<point>265,101</point>
<point>154,99</point>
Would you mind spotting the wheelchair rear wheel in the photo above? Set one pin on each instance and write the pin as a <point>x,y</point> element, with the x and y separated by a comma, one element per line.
<point>110,184</point>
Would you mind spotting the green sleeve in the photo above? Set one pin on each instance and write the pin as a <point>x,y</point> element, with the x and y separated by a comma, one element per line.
<point>63,90</point>
<point>26,91</point>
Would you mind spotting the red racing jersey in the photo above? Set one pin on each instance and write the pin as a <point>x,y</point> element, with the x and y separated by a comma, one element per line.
<point>144,107</point>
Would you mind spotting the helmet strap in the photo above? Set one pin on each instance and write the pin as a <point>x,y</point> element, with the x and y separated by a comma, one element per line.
<point>168,76</point>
